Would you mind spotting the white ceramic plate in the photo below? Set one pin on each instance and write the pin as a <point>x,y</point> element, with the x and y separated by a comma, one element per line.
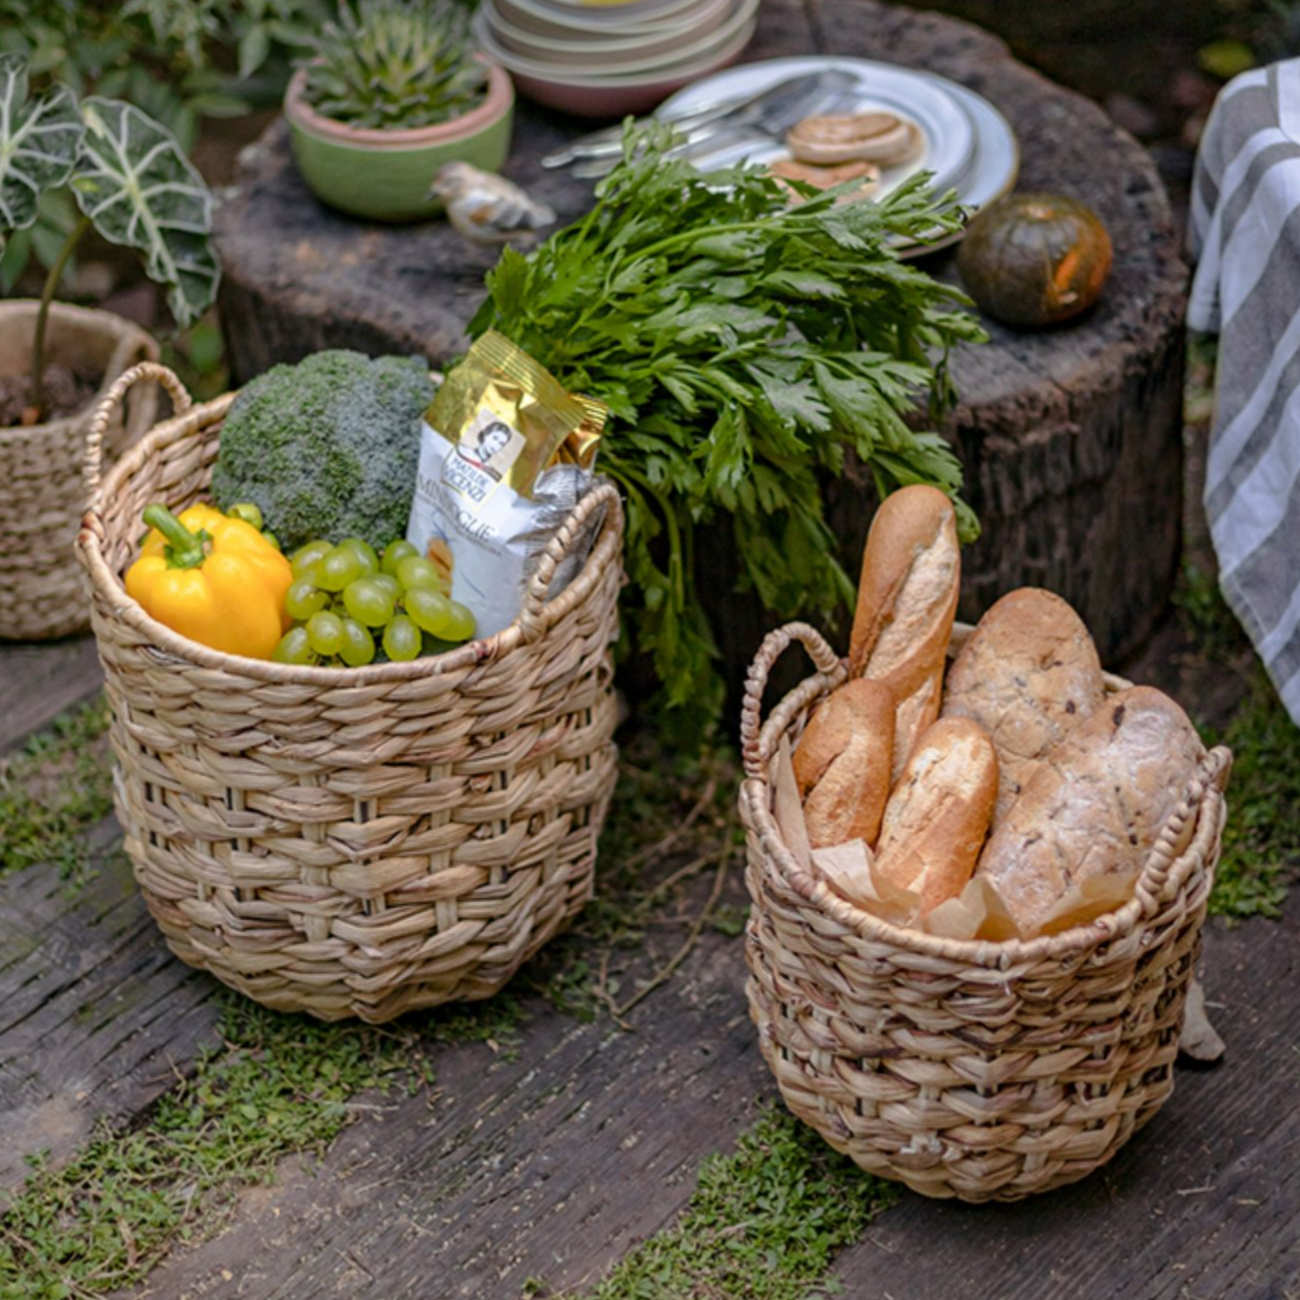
<point>995,163</point>
<point>949,130</point>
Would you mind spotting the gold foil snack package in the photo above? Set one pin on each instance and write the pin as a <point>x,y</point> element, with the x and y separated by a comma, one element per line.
<point>505,455</point>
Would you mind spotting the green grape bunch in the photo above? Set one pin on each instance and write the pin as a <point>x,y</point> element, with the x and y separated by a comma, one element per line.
<point>350,606</point>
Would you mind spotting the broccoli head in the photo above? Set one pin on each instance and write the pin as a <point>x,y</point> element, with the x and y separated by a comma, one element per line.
<point>327,448</point>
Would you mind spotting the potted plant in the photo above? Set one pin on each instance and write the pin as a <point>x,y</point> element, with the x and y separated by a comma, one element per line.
<point>135,187</point>
<point>395,89</point>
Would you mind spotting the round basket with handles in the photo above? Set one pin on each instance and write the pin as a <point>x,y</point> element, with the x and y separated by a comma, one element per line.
<point>965,1068</point>
<point>352,841</point>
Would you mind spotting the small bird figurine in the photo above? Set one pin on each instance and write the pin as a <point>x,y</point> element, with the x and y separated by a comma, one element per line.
<point>485,208</point>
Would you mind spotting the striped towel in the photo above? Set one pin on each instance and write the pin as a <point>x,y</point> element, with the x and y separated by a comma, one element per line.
<point>1245,231</point>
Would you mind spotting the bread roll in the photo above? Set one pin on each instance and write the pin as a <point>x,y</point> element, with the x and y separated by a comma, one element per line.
<point>907,598</point>
<point>938,815</point>
<point>841,764</point>
<point>1028,675</point>
<point>1095,804</point>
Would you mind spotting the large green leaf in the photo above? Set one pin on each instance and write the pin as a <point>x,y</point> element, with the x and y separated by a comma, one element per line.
<point>134,182</point>
<point>38,144</point>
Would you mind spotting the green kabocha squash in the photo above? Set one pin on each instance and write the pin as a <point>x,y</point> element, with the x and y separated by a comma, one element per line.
<point>1031,259</point>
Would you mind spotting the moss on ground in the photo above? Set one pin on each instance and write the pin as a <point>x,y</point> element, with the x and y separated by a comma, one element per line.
<point>1261,839</point>
<point>273,1086</point>
<point>765,1223</point>
<point>54,790</point>
<point>668,868</point>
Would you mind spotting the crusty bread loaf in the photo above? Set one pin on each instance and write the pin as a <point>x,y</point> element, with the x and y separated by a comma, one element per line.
<point>1028,675</point>
<point>841,764</point>
<point>938,815</point>
<point>907,599</point>
<point>1095,804</point>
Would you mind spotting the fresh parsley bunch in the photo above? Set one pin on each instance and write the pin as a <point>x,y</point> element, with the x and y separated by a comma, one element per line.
<point>744,344</point>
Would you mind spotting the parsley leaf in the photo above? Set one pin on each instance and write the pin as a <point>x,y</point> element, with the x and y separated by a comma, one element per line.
<point>744,345</point>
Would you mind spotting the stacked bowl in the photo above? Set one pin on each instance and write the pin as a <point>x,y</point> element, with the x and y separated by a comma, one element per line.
<point>604,58</point>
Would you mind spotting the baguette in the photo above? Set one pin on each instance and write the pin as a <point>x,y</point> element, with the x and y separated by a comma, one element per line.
<point>1095,804</point>
<point>841,764</point>
<point>938,815</point>
<point>907,599</point>
<point>1028,675</point>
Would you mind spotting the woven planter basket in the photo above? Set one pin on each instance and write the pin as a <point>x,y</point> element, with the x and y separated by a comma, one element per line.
<point>353,841</point>
<point>41,494</point>
<point>980,1070</point>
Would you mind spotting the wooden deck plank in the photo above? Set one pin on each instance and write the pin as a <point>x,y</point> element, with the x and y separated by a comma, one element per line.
<point>1204,1204</point>
<point>550,1164</point>
<point>95,1014</point>
<point>39,680</point>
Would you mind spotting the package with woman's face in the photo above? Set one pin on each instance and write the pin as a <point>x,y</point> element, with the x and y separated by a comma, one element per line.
<point>505,454</point>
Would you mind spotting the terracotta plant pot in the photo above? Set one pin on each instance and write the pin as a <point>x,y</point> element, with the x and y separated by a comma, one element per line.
<point>41,495</point>
<point>385,175</point>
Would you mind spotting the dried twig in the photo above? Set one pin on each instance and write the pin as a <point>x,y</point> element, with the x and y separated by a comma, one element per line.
<point>665,972</point>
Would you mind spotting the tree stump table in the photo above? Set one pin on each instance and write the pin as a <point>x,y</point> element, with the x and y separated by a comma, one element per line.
<point>1070,437</point>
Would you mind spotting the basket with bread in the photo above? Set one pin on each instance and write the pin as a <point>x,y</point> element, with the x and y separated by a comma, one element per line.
<point>979,867</point>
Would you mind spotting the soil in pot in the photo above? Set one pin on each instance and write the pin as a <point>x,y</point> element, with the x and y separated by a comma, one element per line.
<point>67,391</point>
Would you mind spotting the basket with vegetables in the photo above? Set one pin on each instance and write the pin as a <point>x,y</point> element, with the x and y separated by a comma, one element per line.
<point>329,803</point>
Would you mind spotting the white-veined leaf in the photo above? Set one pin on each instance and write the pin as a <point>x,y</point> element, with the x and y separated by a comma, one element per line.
<point>134,182</point>
<point>38,143</point>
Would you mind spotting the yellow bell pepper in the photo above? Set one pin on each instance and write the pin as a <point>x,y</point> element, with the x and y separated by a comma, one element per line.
<point>212,578</point>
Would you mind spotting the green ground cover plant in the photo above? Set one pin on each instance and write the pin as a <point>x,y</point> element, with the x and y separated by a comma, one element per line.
<point>1261,840</point>
<point>272,1086</point>
<point>765,1223</point>
<point>55,789</point>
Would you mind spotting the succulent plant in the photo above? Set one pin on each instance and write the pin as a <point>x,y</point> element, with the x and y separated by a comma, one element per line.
<point>395,64</point>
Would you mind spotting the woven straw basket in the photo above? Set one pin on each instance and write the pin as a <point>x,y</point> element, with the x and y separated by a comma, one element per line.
<point>41,497</point>
<point>985,1071</point>
<point>353,842</point>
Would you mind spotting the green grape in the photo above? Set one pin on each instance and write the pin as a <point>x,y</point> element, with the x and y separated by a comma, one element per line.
<point>389,584</point>
<point>366,552</point>
<point>341,566</point>
<point>307,557</point>
<point>325,632</point>
<point>401,639</point>
<point>461,626</point>
<point>429,610</point>
<point>294,648</point>
<point>368,602</point>
<point>302,600</point>
<point>248,512</point>
<point>416,572</point>
<point>273,539</point>
<point>358,644</point>
<point>395,553</point>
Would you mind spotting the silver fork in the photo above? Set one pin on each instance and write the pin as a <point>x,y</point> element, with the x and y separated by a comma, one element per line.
<point>767,118</point>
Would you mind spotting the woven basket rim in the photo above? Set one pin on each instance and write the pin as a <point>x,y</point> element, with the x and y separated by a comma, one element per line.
<point>132,338</point>
<point>1164,872</point>
<point>107,583</point>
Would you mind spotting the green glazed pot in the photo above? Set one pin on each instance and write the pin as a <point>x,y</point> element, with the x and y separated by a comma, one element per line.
<point>385,175</point>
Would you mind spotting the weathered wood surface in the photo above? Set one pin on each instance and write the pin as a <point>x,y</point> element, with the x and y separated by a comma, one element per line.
<point>1203,1204</point>
<point>551,1158</point>
<point>38,681</point>
<point>1070,436</point>
<point>95,1014</point>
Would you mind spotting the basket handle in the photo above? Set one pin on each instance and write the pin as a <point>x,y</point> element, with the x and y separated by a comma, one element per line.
<point>774,645</point>
<point>106,409</point>
<point>538,613</point>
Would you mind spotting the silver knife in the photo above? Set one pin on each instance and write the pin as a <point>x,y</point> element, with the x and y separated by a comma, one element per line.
<point>768,115</point>
<point>608,143</point>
